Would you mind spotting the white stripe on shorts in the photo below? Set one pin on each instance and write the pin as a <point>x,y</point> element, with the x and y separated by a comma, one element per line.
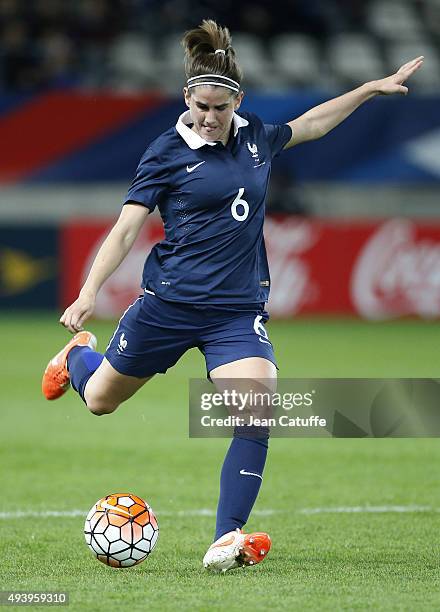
<point>119,322</point>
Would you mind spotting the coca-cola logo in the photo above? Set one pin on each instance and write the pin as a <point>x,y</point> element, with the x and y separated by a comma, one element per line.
<point>291,282</point>
<point>397,274</point>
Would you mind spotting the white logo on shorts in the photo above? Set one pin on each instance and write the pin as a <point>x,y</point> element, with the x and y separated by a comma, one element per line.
<point>260,330</point>
<point>265,341</point>
<point>122,343</point>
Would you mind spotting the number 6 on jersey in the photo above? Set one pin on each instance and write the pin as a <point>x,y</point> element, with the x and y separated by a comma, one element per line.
<point>240,202</point>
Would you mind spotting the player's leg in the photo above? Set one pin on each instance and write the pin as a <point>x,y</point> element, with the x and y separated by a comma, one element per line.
<point>107,388</point>
<point>79,365</point>
<point>239,355</point>
<point>242,471</point>
<point>99,384</point>
<point>141,347</point>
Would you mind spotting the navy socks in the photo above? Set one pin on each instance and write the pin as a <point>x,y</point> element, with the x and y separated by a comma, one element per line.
<point>82,363</point>
<point>240,482</point>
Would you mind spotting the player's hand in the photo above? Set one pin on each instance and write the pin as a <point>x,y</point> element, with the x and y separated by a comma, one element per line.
<point>74,317</point>
<point>394,83</point>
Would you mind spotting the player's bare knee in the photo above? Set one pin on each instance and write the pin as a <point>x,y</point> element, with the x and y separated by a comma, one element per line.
<point>100,410</point>
<point>99,407</point>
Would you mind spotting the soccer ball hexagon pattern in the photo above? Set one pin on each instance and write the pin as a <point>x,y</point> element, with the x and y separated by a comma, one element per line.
<point>121,530</point>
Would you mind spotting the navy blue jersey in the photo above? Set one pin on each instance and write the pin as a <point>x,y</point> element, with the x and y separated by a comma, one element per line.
<point>211,199</point>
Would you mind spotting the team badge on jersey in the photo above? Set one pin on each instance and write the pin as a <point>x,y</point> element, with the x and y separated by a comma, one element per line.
<point>253,150</point>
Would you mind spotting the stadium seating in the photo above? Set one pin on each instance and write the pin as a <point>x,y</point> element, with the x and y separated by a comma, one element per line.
<point>132,63</point>
<point>259,71</point>
<point>355,58</point>
<point>394,19</point>
<point>170,63</point>
<point>297,56</point>
<point>328,45</point>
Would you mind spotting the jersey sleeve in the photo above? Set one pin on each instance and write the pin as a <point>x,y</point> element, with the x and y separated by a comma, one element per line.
<point>277,136</point>
<point>150,182</point>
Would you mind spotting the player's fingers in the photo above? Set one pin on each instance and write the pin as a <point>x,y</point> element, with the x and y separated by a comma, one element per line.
<point>417,65</point>
<point>80,323</point>
<point>63,317</point>
<point>69,328</point>
<point>411,69</point>
<point>404,76</point>
<point>412,62</point>
<point>75,322</point>
<point>67,324</point>
<point>411,66</point>
<point>69,319</point>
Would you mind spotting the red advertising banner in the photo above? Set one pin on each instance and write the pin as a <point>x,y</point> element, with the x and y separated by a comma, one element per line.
<point>376,270</point>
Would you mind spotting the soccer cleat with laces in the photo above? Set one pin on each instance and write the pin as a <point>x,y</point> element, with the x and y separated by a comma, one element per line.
<point>236,549</point>
<point>56,379</point>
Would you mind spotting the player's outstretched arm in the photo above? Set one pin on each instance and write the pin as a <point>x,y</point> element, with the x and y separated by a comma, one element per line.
<point>320,120</point>
<point>111,254</point>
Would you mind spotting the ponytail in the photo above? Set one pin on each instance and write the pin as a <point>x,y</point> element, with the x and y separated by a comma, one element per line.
<point>209,52</point>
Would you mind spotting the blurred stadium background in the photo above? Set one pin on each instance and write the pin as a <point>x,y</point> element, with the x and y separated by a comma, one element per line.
<point>84,86</point>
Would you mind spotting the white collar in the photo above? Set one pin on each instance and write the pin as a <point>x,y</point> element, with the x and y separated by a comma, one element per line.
<point>193,140</point>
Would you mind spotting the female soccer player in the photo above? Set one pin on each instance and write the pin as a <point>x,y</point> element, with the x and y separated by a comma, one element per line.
<point>207,282</point>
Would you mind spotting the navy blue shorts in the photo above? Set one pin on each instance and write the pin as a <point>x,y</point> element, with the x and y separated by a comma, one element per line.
<point>153,334</point>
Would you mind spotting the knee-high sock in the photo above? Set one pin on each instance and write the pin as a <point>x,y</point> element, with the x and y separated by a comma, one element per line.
<point>240,482</point>
<point>81,363</point>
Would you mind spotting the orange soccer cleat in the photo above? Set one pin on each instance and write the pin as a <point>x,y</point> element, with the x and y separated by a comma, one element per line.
<point>237,549</point>
<point>255,547</point>
<point>56,378</point>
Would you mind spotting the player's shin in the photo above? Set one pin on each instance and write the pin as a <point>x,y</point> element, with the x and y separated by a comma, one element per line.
<point>241,478</point>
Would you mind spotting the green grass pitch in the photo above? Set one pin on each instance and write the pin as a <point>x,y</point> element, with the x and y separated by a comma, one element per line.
<point>55,456</point>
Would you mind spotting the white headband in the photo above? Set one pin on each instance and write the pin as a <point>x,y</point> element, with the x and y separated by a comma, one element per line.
<point>207,79</point>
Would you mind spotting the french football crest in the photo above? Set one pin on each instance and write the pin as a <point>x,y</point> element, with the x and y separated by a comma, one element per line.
<point>253,149</point>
